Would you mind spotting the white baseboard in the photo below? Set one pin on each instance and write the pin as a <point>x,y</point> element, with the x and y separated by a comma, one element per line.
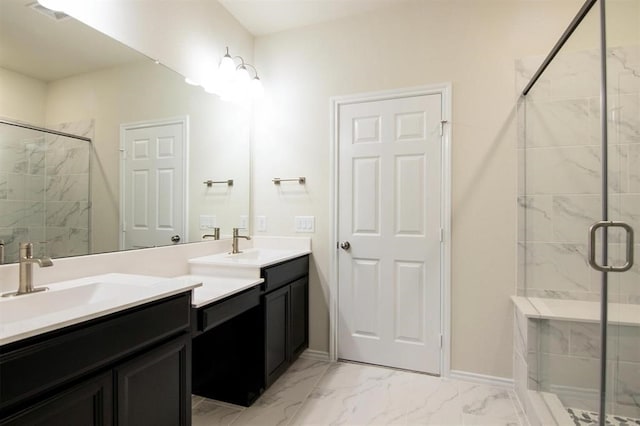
<point>502,382</point>
<point>316,355</point>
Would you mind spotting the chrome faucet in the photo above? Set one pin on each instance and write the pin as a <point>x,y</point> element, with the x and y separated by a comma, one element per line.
<point>25,284</point>
<point>234,243</point>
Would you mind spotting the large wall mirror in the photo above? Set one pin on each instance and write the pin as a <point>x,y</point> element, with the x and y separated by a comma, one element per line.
<point>145,124</point>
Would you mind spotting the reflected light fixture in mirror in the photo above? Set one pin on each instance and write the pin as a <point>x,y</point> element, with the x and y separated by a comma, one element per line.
<point>233,82</point>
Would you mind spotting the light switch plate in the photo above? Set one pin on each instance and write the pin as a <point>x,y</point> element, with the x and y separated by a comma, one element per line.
<point>261,223</point>
<point>244,222</point>
<point>306,224</point>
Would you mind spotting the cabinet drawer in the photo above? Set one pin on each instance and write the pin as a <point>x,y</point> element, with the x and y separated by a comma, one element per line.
<point>219,312</point>
<point>67,354</point>
<point>285,272</point>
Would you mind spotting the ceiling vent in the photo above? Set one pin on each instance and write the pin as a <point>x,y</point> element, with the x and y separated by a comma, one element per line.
<point>56,16</point>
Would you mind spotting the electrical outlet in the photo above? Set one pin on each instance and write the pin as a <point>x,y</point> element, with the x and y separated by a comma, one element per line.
<point>244,222</point>
<point>261,223</point>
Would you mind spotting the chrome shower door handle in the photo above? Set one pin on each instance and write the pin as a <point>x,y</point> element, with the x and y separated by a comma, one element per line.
<point>592,246</point>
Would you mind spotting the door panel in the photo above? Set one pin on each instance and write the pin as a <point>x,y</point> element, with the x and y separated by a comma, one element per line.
<point>390,212</point>
<point>154,185</point>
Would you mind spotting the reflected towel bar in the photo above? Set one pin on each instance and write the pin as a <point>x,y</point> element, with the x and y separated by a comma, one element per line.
<point>209,183</point>
<point>301,180</point>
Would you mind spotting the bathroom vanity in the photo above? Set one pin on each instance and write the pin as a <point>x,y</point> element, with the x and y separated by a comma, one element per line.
<point>129,366</point>
<point>244,342</point>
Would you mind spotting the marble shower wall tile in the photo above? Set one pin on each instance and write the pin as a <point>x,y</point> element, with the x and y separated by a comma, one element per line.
<point>563,170</point>
<point>572,215</point>
<point>575,74</point>
<point>67,156</point>
<point>557,123</point>
<point>634,168</point>
<point>562,267</point>
<point>538,217</point>
<point>73,214</point>
<point>65,241</point>
<point>553,337</point>
<point>67,188</point>
<point>561,161</point>
<point>625,128</point>
<point>627,389</point>
<point>25,205</point>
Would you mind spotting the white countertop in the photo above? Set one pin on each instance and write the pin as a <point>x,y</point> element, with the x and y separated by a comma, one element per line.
<point>250,258</point>
<point>246,264</point>
<point>576,310</point>
<point>75,301</point>
<point>216,288</point>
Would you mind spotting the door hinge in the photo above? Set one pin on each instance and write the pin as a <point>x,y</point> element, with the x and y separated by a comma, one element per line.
<point>441,339</point>
<point>441,235</point>
<point>442,123</point>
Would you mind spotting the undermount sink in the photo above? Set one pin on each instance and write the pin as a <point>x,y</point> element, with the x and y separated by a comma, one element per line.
<point>246,264</point>
<point>74,301</point>
<point>26,306</point>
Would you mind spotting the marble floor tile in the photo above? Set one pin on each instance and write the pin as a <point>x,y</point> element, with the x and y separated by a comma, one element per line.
<point>435,401</point>
<point>209,413</point>
<point>315,392</point>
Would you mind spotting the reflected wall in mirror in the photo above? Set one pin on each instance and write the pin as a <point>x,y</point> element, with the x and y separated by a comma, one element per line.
<point>61,74</point>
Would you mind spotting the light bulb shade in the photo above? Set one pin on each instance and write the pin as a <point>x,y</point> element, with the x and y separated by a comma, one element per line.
<point>257,91</point>
<point>226,69</point>
<point>242,76</point>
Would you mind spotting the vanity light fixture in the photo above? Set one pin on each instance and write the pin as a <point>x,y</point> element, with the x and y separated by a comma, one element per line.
<point>234,82</point>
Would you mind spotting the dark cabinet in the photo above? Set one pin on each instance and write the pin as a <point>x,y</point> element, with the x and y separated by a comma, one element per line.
<point>286,315</point>
<point>227,349</point>
<point>299,324</point>
<point>154,389</point>
<point>276,332</point>
<point>87,404</point>
<point>127,368</point>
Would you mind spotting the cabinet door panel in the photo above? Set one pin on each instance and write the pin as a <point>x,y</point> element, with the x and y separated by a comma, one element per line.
<point>154,389</point>
<point>89,403</point>
<point>299,318</point>
<point>276,312</point>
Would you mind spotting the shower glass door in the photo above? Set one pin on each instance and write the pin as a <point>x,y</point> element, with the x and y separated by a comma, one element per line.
<point>623,118</point>
<point>573,176</point>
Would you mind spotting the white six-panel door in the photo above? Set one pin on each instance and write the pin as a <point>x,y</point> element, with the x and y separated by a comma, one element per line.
<point>389,214</point>
<point>154,185</point>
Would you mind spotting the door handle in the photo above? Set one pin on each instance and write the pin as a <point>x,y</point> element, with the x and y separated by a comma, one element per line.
<point>175,239</point>
<point>592,246</point>
<point>345,246</point>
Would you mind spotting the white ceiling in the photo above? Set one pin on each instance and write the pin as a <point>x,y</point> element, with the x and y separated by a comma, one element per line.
<point>261,17</point>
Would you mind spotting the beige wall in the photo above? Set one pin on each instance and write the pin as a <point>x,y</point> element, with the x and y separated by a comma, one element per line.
<point>473,45</point>
<point>22,98</point>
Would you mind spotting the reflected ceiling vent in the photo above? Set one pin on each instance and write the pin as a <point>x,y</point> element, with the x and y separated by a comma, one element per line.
<point>55,15</point>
